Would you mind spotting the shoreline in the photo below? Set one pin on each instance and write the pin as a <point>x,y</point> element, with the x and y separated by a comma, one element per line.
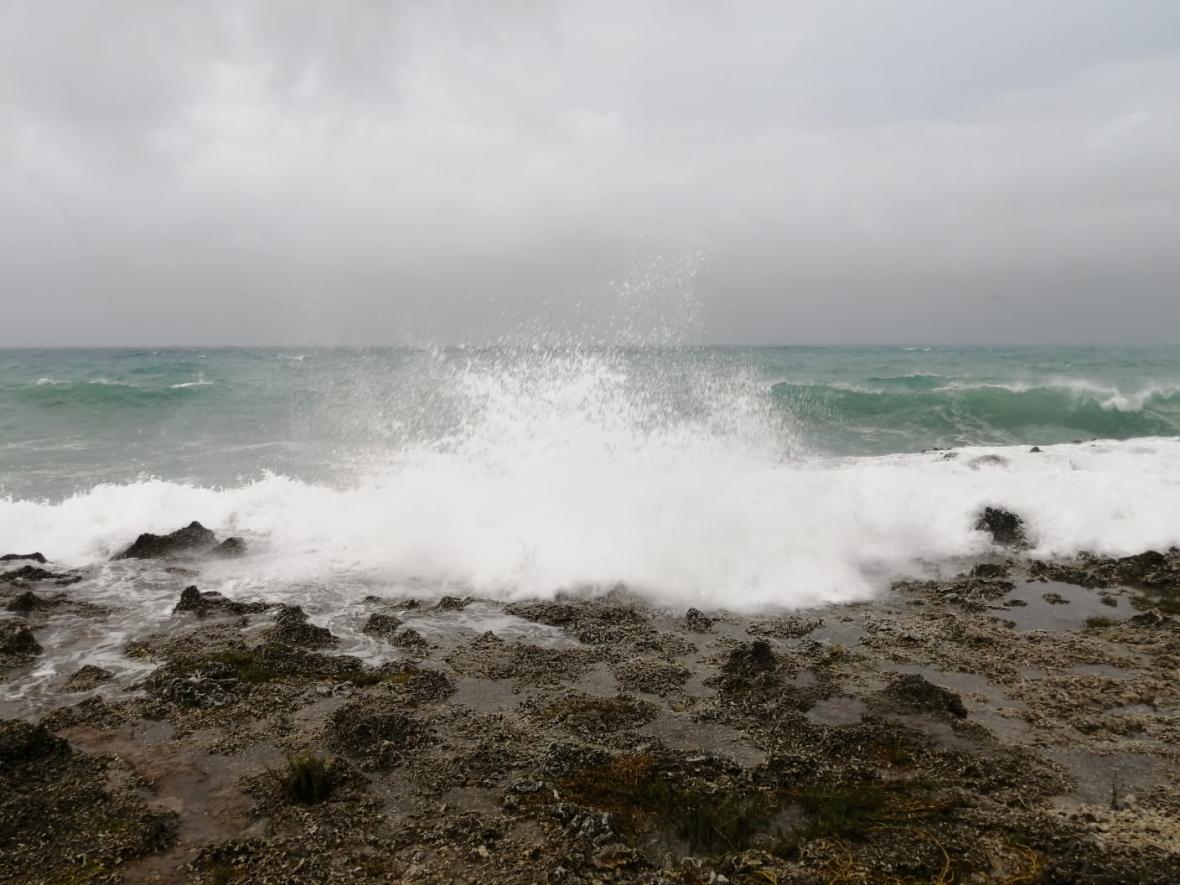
<point>1018,722</point>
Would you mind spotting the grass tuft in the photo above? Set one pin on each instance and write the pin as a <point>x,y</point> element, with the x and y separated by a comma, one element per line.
<point>306,780</point>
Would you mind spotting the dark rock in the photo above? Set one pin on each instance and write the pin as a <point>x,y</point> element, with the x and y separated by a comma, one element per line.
<point>990,571</point>
<point>13,557</point>
<point>697,622</point>
<point>1035,450</point>
<point>1152,618</point>
<point>28,602</point>
<point>190,600</point>
<point>229,548</point>
<point>375,730</point>
<point>29,573</point>
<point>409,639</point>
<point>585,825</point>
<point>589,621</point>
<point>650,676</point>
<point>382,626</point>
<point>198,693</point>
<point>192,539</point>
<point>212,602</point>
<point>988,461</point>
<point>1006,529</point>
<point>86,678</point>
<point>17,640</point>
<point>450,604</point>
<point>291,628</point>
<point>562,760</point>
<point>788,627</point>
<point>750,659</point>
<point>1142,568</point>
<point>22,742</point>
<point>916,692</point>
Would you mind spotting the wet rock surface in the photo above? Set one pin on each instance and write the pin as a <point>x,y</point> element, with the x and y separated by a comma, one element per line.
<point>32,557</point>
<point>1006,528</point>
<point>192,540</point>
<point>925,737</point>
<point>212,602</point>
<point>87,678</point>
<point>67,816</point>
<point>17,640</point>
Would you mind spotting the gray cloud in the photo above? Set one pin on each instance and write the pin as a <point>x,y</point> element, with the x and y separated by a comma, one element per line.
<point>386,172</point>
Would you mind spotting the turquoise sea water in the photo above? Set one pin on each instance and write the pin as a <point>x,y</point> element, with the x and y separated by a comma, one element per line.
<point>743,479</point>
<point>71,419</point>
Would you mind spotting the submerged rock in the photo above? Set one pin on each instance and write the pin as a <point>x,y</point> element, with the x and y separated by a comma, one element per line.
<point>28,602</point>
<point>192,539</point>
<point>1006,528</point>
<point>211,602</point>
<point>87,677</point>
<point>30,573</point>
<point>17,639</point>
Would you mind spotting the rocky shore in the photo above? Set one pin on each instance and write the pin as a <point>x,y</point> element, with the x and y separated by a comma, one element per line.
<point>1014,721</point>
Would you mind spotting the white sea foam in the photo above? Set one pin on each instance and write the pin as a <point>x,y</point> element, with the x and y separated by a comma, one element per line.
<point>200,382</point>
<point>565,472</point>
<point>684,521</point>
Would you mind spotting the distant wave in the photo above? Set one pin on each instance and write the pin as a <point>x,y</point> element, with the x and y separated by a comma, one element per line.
<point>984,413</point>
<point>200,382</point>
<point>100,393</point>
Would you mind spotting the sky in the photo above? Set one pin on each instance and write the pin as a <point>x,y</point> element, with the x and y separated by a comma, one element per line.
<point>847,171</point>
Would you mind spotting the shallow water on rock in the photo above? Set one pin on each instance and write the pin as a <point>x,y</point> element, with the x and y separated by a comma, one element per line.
<point>1080,604</point>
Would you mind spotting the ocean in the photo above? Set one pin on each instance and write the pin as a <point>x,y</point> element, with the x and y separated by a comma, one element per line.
<point>740,478</point>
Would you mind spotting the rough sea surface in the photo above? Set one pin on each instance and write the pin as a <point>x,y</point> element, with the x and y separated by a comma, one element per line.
<point>734,477</point>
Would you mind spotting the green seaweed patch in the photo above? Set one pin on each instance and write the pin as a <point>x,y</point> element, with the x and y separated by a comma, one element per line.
<point>1098,623</point>
<point>1165,599</point>
<point>265,664</point>
<point>854,810</point>
<point>709,819</point>
<point>901,818</point>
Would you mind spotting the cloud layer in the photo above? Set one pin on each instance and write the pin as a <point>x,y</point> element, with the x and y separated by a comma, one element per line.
<point>378,172</point>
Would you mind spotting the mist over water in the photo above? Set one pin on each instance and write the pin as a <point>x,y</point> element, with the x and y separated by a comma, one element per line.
<point>738,478</point>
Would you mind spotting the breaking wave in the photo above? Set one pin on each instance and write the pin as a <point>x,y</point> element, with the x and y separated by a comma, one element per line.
<point>559,471</point>
<point>942,413</point>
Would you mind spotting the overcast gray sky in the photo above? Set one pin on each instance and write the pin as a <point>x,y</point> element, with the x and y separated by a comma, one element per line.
<point>380,172</point>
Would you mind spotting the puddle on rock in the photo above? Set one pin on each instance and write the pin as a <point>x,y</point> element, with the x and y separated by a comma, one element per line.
<point>1103,780</point>
<point>476,618</point>
<point>837,711</point>
<point>680,732</point>
<point>1080,604</point>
